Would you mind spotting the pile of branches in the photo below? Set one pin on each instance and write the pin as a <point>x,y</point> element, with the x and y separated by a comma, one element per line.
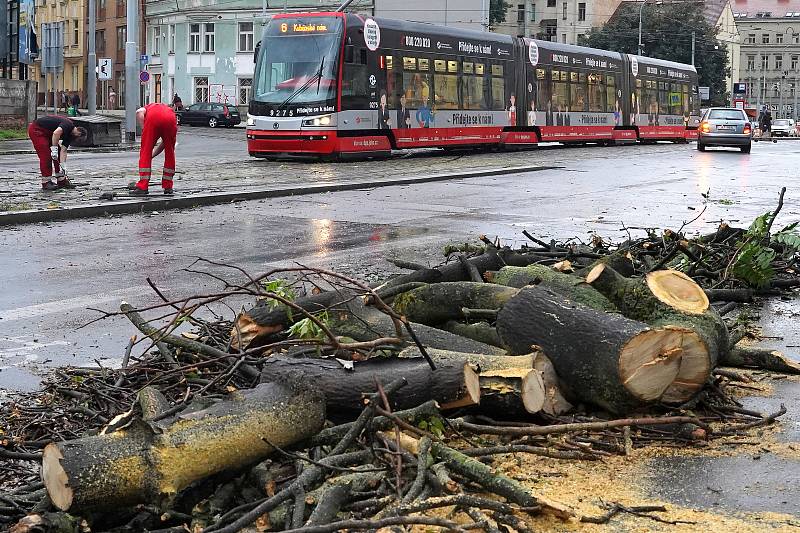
<point>330,404</point>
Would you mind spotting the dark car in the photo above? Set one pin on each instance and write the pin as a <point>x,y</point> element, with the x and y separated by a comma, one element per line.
<point>725,126</point>
<point>209,114</point>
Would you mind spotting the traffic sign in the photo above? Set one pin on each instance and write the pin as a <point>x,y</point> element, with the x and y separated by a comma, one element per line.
<point>144,76</point>
<point>144,58</point>
<point>105,68</point>
<point>705,93</point>
<point>739,88</point>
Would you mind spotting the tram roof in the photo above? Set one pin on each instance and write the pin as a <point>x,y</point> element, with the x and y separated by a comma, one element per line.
<point>436,29</point>
<point>574,49</point>
<point>664,63</point>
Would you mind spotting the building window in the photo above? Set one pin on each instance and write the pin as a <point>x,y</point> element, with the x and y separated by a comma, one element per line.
<point>580,39</point>
<point>765,38</point>
<point>796,38</point>
<point>245,85</point>
<point>74,77</point>
<point>521,14</point>
<point>245,36</point>
<point>564,38</point>
<point>751,62</point>
<point>122,36</point>
<point>75,33</point>
<point>764,62</point>
<point>582,11</point>
<point>778,62</point>
<point>201,89</point>
<point>751,38</point>
<point>156,41</point>
<point>194,37</point>
<point>100,42</point>
<point>564,11</point>
<point>533,12</point>
<point>550,33</point>
<point>157,87</point>
<point>794,62</point>
<point>171,38</point>
<point>208,37</point>
<point>551,3</point>
<point>778,38</point>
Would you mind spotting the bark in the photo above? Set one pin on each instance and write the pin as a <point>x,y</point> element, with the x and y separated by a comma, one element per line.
<point>480,331</point>
<point>764,358</point>
<point>619,261</point>
<point>439,302</point>
<point>556,392</point>
<point>572,286</point>
<point>138,465</point>
<point>670,298</point>
<point>452,383</point>
<point>608,360</point>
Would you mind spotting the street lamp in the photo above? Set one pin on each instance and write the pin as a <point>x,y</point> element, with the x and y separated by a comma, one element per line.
<point>641,7</point>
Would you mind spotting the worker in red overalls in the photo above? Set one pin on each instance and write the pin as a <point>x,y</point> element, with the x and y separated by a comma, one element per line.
<point>159,130</point>
<point>51,136</point>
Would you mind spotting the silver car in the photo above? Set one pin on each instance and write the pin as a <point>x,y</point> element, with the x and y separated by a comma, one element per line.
<point>725,126</point>
<point>783,127</point>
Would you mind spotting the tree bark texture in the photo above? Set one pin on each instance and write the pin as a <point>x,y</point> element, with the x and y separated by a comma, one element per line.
<point>452,381</point>
<point>439,302</point>
<point>139,465</point>
<point>608,360</point>
<point>744,356</point>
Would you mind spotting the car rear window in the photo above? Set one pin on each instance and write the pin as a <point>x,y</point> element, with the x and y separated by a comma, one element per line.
<point>781,122</point>
<point>726,114</point>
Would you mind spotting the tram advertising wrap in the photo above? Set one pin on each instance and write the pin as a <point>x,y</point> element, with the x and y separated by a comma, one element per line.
<point>338,85</point>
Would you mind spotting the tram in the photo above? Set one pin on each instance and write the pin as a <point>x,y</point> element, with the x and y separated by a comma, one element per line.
<point>343,85</point>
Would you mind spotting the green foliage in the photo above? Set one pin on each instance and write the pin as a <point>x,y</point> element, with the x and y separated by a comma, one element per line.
<point>306,329</point>
<point>434,426</point>
<point>667,34</point>
<point>788,237</point>
<point>279,287</point>
<point>753,264</point>
<point>497,11</point>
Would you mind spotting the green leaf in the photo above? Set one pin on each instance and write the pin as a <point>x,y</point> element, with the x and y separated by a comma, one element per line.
<point>753,265</point>
<point>306,329</point>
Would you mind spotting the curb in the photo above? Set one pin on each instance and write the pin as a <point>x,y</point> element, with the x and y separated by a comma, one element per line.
<point>161,204</point>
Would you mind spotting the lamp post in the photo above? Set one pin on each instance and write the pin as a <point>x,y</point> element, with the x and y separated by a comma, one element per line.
<point>641,7</point>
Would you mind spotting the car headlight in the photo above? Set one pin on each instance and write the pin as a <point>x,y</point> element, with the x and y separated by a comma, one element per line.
<point>251,120</point>
<point>324,120</point>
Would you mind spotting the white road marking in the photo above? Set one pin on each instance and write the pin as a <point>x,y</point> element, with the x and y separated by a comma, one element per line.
<point>69,304</point>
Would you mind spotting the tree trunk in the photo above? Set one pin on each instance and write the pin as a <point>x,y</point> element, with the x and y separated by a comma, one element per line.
<point>453,383</point>
<point>556,391</point>
<point>480,331</point>
<point>670,298</point>
<point>606,359</point>
<point>744,356</point>
<point>137,465</point>
<point>439,302</point>
<point>575,288</point>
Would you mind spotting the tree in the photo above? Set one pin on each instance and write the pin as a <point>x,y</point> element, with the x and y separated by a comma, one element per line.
<point>667,34</point>
<point>497,11</point>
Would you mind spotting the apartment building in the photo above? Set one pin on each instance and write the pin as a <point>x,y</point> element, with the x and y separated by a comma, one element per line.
<point>770,53</point>
<point>73,14</point>
<point>564,21</point>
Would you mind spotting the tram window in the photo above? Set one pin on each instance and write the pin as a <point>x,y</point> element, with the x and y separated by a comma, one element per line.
<point>675,99</point>
<point>597,94</point>
<point>424,63</point>
<point>473,92</point>
<point>663,98</point>
<point>445,91</point>
<point>560,91</point>
<point>452,66</point>
<point>497,70</point>
<point>611,95</point>
<point>409,63</point>
<point>577,94</point>
<point>388,60</point>
<point>480,68</point>
<point>394,84</point>
<point>540,73</point>
<point>467,68</point>
<point>439,65</point>
<point>685,89</point>
<point>417,89</point>
<point>573,77</point>
<point>498,93</point>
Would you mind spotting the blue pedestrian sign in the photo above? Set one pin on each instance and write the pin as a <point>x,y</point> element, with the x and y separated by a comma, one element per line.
<point>144,76</point>
<point>144,58</point>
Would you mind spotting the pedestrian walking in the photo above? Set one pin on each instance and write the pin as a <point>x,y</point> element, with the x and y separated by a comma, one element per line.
<point>159,131</point>
<point>51,136</point>
<point>76,103</point>
<point>766,126</point>
<point>177,103</point>
<point>64,101</point>
<point>112,99</point>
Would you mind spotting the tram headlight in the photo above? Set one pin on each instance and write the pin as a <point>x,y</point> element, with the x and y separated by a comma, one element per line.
<point>324,120</point>
<point>251,120</point>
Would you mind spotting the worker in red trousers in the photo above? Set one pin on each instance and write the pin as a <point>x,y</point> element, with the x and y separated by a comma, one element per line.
<point>51,136</point>
<point>159,130</point>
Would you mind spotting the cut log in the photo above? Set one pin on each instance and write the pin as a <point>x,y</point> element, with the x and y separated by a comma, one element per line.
<point>439,302</point>
<point>668,297</point>
<point>510,385</point>
<point>608,360</point>
<point>745,356</point>
<point>575,288</point>
<point>452,384</point>
<point>480,331</point>
<point>556,391</point>
<point>137,465</point>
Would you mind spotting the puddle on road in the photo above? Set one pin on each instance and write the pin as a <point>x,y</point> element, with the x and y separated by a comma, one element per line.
<point>18,379</point>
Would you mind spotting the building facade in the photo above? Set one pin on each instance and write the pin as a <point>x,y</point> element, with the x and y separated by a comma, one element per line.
<point>467,14</point>
<point>203,51</point>
<point>73,78</point>
<point>563,21</point>
<point>770,54</point>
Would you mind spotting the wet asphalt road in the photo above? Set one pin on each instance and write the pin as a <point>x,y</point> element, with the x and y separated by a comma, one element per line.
<point>51,273</point>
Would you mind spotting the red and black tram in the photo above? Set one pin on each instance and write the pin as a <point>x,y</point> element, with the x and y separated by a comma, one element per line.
<point>341,84</point>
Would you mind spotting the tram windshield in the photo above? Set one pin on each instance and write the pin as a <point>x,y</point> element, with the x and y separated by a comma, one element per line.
<point>299,62</point>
